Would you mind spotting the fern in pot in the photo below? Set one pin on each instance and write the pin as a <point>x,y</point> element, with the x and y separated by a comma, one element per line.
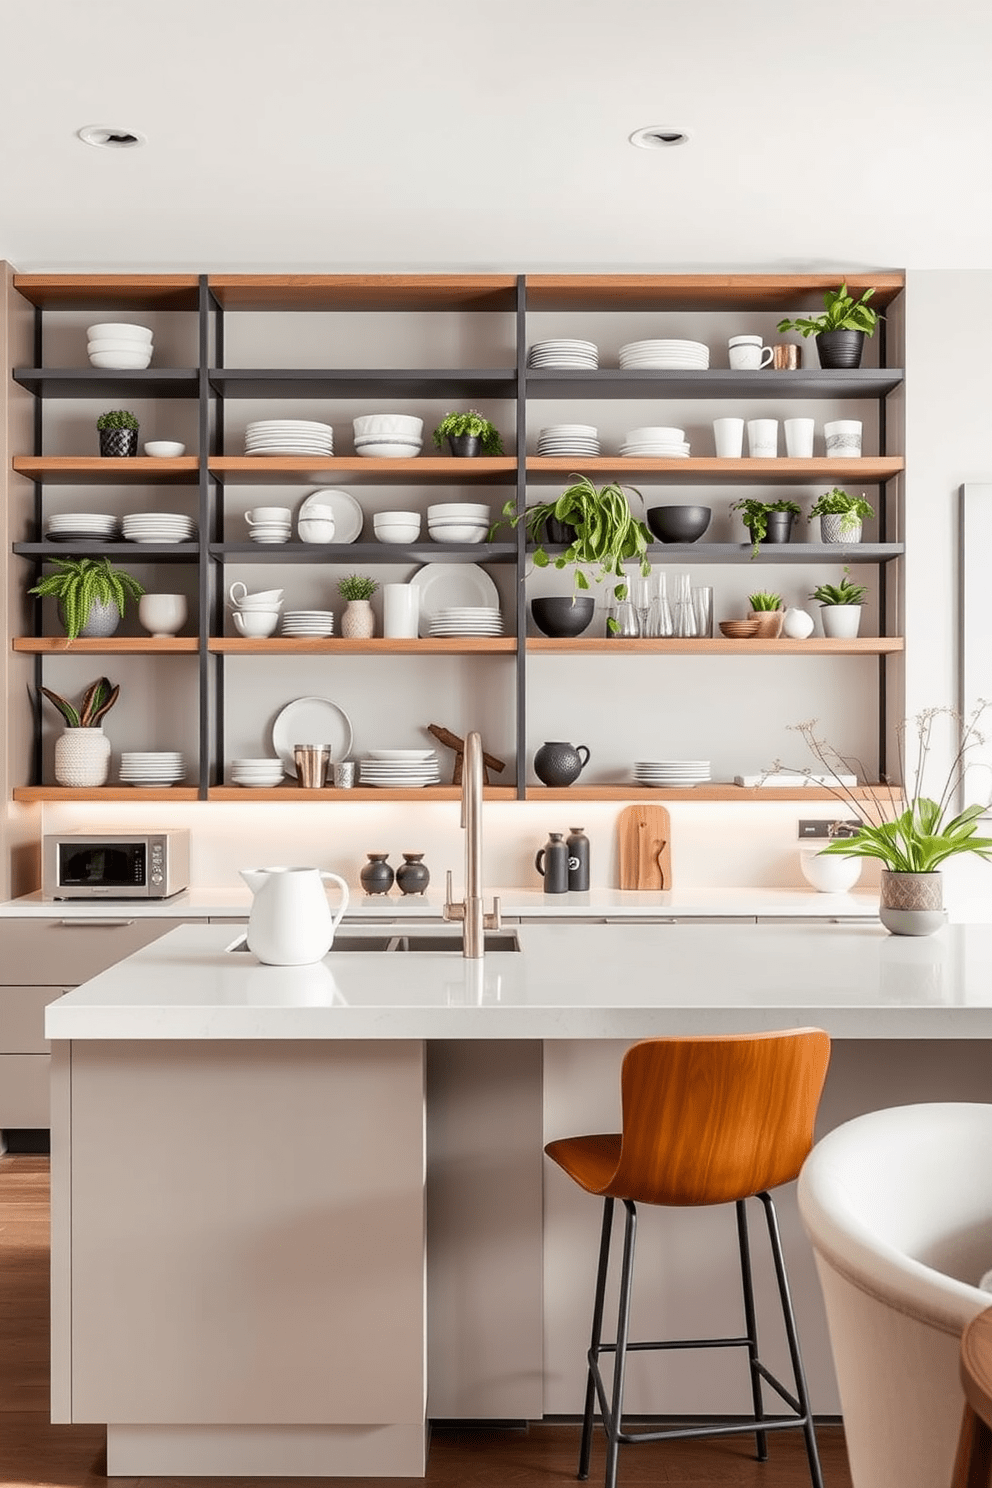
<point>841,515</point>
<point>92,595</point>
<point>82,751</point>
<point>841,328</point>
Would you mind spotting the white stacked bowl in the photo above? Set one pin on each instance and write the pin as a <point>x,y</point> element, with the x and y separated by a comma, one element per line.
<point>459,521</point>
<point>387,446</point>
<point>397,526</point>
<point>458,532</point>
<point>259,774</point>
<point>412,429</point>
<point>126,347</point>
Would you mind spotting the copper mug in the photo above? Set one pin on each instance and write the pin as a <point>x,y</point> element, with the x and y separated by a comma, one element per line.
<point>787,358</point>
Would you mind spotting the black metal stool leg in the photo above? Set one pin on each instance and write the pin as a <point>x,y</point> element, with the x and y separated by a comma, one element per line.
<point>615,1424</point>
<point>596,1336</point>
<point>789,1317</point>
<point>750,1321</point>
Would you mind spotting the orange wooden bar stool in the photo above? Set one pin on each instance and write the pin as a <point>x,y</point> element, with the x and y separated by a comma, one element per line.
<point>705,1121</point>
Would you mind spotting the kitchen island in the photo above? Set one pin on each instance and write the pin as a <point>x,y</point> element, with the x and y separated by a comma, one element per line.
<point>252,1167</point>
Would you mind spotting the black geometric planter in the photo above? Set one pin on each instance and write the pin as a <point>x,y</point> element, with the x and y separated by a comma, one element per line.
<point>840,348</point>
<point>465,445</point>
<point>116,443</point>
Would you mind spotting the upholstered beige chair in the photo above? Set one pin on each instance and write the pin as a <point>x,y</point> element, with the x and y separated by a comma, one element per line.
<point>898,1206</point>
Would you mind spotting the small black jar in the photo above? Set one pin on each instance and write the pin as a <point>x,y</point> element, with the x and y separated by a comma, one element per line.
<point>413,874</point>
<point>377,876</point>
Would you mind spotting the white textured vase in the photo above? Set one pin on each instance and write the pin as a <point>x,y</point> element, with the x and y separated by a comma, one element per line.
<point>358,621</point>
<point>82,757</point>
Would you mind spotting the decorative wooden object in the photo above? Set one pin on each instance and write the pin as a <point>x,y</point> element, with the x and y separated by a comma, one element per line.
<point>452,741</point>
<point>645,847</point>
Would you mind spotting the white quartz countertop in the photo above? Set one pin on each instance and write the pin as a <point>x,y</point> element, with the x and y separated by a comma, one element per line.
<point>235,901</point>
<point>568,981</point>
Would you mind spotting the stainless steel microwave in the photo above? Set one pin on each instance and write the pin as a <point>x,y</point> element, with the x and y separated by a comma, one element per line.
<point>115,865</point>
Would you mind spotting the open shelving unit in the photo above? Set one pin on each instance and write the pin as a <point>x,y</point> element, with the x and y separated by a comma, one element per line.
<point>210,384</point>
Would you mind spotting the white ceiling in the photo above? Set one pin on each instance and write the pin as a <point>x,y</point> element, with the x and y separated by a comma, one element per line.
<point>455,134</point>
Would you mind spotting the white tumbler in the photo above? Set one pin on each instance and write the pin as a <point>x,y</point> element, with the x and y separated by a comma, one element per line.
<point>400,611</point>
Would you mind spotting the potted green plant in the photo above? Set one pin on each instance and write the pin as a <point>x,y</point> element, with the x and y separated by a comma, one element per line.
<point>840,609</point>
<point>358,621</point>
<point>767,608</point>
<point>468,433</point>
<point>841,328</point>
<point>82,751</point>
<point>92,594</point>
<point>767,521</point>
<point>118,432</point>
<point>840,515</point>
<point>606,533</point>
<point>912,844</point>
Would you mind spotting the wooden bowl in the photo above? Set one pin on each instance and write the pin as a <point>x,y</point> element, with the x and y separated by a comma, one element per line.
<point>739,630</point>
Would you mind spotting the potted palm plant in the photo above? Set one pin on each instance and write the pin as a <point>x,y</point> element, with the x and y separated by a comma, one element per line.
<point>118,430</point>
<point>82,751</point>
<point>912,844</point>
<point>606,534</point>
<point>840,515</point>
<point>840,607</point>
<point>767,521</point>
<point>468,434</point>
<point>92,594</point>
<point>840,330</point>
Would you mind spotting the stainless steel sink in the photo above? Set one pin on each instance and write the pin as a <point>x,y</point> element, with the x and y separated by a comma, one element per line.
<point>408,941</point>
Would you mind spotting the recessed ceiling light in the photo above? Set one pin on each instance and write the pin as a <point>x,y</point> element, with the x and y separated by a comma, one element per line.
<point>105,137</point>
<point>657,137</point>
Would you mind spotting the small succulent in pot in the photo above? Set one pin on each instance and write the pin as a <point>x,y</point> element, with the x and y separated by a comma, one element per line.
<point>357,586</point>
<point>468,433</point>
<point>844,593</point>
<point>763,600</point>
<point>118,431</point>
<point>98,699</point>
<point>80,584</point>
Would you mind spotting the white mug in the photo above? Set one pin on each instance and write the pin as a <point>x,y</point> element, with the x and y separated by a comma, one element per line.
<point>799,438</point>
<point>267,514</point>
<point>762,439</point>
<point>747,353</point>
<point>728,436</point>
<point>843,439</point>
<point>400,611</point>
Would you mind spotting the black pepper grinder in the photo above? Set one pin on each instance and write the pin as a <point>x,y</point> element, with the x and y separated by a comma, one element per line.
<point>552,864</point>
<point>578,860</point>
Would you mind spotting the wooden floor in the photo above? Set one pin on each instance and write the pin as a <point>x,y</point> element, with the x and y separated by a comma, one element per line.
<point>35,1454</point>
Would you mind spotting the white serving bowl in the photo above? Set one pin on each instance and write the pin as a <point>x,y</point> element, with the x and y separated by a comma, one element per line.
<point>315,529</point>
<point>129,361</point>
<point>473,510</point>
<point>118,331</point>
<point>397,534</point>
<point>387,517</point>
<point>254,624</point>
<point>164,449</point>
<point>659,434</point>
<point>388,423</point>
<point>108,345</point>
<point>388,451</point>
<point>458,534</point>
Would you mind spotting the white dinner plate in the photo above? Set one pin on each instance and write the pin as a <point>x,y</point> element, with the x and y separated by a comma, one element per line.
<point>444,586</point>
<point>311,720</point>
<point>348,515</point>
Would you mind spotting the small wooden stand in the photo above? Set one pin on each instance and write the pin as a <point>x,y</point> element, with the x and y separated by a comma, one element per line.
<point>452,741</point>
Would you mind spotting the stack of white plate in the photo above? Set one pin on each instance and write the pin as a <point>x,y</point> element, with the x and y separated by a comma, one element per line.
<point>388,436</point>
<point>82,526</point>
<point>159,527</point>
<point>390,768</point>
<point>308,623</point>
<point>289,437</point>
<point>459,521</point>
<point>147,767</point>
<point>257,774</point>
<point>563,352</point>
<point>668,444</point>
<point>271,530</point>
<point>665,356</point>
<point>671,772</point>
<point>467,620</point>
<point>562,440</point>
<point>127,347</point>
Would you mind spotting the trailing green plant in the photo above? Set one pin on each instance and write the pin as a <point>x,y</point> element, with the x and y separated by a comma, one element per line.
<point>754,515</point>
<point>78,583</point>
<point>98,699</point>
<point>838,503</point>
<point>607,534</point>
<point>764,600</point>
<point>927,830</point>
<point>117,418</point>
<point>357,586</point>
<point>453,425</point>
<point>844,593</point>
<point>842,312</point>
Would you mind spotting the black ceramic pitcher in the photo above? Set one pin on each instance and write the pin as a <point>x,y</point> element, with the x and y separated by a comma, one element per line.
<point>556,763</point>
<point>552,864</point>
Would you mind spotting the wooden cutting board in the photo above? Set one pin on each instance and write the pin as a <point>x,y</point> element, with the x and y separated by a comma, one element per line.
<point>645,841</point>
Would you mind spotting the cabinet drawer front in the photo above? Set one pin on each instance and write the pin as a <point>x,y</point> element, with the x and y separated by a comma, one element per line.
<point>67,949</point>
<point>24,1091</point>
<point>22,1018</point>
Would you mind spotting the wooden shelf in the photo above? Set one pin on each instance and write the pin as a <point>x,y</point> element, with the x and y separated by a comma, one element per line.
<point>102,471</point>
<point>701,291</point>
<point>398,292</point>
<point>871,471</point>
<point>108,646</point>
<point>130,292</point>
<point>377,646</point>
<point>284,793</point>
<point>106,793</point>
<point>297,470</point>
<point>716,646</point>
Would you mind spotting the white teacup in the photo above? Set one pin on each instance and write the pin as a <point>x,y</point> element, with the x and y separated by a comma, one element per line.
<point>262,599</point>
<point>265,515</point>
<point>747,353</point>
<point>163,614</point>
<point>255,623</point>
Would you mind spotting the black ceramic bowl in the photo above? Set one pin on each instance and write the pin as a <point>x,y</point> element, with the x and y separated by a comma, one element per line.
<point>561,617</point>
<point>679,524</point>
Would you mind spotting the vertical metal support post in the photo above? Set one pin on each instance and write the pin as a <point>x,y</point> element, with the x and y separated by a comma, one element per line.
<point>520,566</point>
<point>205,584</point>
<point>38,521</point>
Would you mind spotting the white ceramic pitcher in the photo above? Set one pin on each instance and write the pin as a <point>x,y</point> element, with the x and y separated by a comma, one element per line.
<point>291,923</point>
